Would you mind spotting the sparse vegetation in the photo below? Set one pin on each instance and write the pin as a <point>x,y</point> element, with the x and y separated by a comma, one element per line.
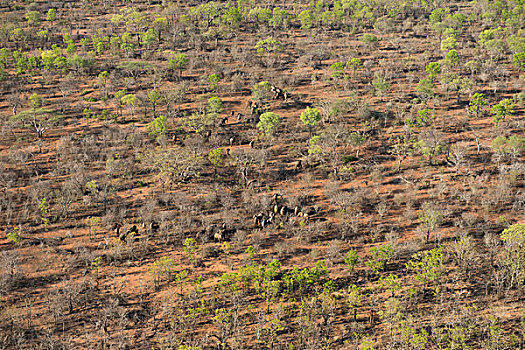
<point>262,175</point>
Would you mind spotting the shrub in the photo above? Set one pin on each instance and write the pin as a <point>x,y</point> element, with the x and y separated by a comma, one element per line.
<point>14,236</point>
<point>369,38</point>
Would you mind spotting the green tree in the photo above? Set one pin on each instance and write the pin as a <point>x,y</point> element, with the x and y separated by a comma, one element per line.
<point>519,60</point>
<point>269,122</point>
<point>126,44</point>
<point>71,49</point>
<point>477,101</point>
<point>103,80</point>
<point>92,187</point>
<point>14,236</point>
<point>158,126</point>
<point>232,17</point>
<point>437,18</point>
<point>79,63</point>
<point>451,59</point>
<point>180,62</point>
<point>380,255</point>
<point>449,43</point>
<point>149,37</point>
<point>260,15</point>
<point>307,19</point>
<point>269,46</point>
<point>491,40</point>
<point>369,38</point>
<point>33,18</point>
<point>313,146</point>
<point>96,264</point>
<point>213,81</point>
<point>354,64</point>
<point>160,24</point>
<point>391,283</point>
<point>207,13</point>
<point>180,277</point>
<point>262,92</point>
<point>514,254</point>
<point>51,15</point>
<point>5,55</point>
<point>425,88</point>
<point>351,260</point>
<point>338,70</point>
<point>48,58</point>
<point>92,222</point>
<point>190,248</point>
<point>428,267</point>
<point>118,97</point>
<point>132,19</point>
<point>88,114</point>
<point>354,298</point>
<point>501,110</point>
<point>433,69</point>
<point>66,38</point>
<point>162,269</point>
<point>3,72</point>
<point>223,321</point>
<point>280,18</point>
<point>516,43</point>
<point>380,84</point>
<point>215,105</point>
<point>154,97</point>
<point>424,118</point>
<point>37,118</point>
<point>131,101</point>
<point>216,157</point>
<point>310,117</point>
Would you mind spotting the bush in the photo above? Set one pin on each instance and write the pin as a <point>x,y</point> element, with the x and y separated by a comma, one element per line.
<point>369,38</point>
<point>14,236</point>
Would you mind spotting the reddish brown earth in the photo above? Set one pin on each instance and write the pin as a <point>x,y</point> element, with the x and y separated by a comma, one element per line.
<point>62,288</point>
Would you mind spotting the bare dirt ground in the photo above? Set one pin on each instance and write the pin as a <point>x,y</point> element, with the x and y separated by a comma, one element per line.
<point>381,226</point>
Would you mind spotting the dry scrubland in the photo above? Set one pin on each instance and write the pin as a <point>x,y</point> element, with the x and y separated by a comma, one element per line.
<point>262,174</point>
